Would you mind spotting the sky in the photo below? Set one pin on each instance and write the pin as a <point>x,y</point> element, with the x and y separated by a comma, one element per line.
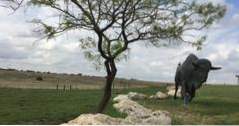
<point>20,50</point>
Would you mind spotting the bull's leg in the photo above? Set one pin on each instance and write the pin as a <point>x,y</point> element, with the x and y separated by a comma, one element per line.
<point>183,90</point>
<point>192,94</point>
<point>186,94</point>
<point>187,98</point>
<point>176,89</point>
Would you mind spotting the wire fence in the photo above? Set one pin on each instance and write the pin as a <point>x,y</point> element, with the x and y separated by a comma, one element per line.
<point>60,85</point>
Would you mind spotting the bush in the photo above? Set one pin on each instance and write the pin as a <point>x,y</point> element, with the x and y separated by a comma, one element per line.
<point>39,78</point>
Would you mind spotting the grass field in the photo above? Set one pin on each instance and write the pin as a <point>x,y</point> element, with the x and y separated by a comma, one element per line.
<point>212,105</point>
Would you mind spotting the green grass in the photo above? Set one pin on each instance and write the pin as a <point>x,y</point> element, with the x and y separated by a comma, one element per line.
<point>25,106</point>
<point>212,105</point>
<point>38,106</point>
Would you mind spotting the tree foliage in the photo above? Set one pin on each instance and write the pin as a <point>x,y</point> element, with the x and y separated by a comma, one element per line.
<point>121,22</point>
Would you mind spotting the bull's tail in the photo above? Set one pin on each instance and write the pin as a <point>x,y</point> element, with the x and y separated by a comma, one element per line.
<point>176,89</point>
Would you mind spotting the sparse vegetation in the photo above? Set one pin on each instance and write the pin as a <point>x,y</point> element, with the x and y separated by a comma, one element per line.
<point>24,79</point>
<point>39,78</point>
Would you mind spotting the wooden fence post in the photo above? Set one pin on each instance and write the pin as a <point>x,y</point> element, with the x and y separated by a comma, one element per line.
<point>64,88</point>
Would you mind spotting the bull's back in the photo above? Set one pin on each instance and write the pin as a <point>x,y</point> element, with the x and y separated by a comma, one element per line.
<point>187,67</point>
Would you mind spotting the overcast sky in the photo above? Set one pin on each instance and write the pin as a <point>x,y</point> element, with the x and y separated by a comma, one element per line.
<point>19,50</point>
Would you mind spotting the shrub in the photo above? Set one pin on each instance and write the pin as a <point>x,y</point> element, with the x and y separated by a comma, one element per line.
<point>39,78</point>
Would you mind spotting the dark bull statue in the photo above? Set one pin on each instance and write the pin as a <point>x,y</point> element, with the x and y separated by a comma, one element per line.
<point>191,75</point>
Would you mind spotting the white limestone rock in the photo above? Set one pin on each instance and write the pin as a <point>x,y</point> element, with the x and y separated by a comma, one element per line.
<point>171,87</point>
<point>95,119</point>
<point>159,95</point>
<point>158,118</point>
<point>131,108</point>
<point>171,92</point>
<point>121,97</point>
<point>136,96</point>
<point>139,115</point>
<point>136,115</point>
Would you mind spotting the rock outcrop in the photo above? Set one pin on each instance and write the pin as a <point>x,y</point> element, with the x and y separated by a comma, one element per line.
<point>139,115</point>
<point>95,119</point>
<point>136,96</point>
<point>136,114</point>
<point>159,95</point>
<point>131,108</point>
<point>171,87</point>
<point>171,91</point>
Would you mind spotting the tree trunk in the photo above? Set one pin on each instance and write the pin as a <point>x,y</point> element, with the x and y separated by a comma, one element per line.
<point>111,72</point>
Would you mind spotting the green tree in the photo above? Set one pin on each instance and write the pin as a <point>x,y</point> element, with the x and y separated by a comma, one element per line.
<point>118,23</point>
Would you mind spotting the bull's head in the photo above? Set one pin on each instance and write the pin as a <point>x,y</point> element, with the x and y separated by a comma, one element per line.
<point>202,67</point>
<point>204,64</point>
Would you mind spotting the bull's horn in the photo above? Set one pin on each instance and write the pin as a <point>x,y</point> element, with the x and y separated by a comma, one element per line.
<point>215,68</point>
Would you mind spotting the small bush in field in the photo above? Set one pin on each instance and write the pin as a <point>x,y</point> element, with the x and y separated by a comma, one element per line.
<point>39,78</point>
